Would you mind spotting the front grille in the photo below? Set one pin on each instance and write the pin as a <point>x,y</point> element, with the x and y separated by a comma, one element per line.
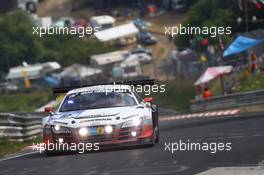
<point>97,137</point>
<point>121,134</point>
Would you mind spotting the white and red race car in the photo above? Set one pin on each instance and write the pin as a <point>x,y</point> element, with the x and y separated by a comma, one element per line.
<point>109,115</point>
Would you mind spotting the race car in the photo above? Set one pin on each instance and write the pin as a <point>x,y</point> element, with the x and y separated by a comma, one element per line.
<point>109,115</point>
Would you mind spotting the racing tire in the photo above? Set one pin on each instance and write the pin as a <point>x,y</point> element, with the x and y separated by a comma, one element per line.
<point>49,153</point>
<point>155,122</point>
<point>156,131</point>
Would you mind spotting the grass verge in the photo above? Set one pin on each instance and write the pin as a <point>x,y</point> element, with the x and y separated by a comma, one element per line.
<point>9,147</point>
<point>252,83</point>
<point>177,95</point>
<point>24,101</point>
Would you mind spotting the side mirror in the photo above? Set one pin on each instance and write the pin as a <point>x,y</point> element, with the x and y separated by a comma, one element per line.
<point>49,109</point>
<point>148,100</point>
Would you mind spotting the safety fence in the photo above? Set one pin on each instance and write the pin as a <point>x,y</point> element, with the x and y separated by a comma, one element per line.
<point>228,101</point>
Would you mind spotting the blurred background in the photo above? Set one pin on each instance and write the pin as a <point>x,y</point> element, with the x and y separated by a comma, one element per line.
<point>31,65</point>
<point>207,78</point>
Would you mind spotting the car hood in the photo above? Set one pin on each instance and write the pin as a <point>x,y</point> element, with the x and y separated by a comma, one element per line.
<point>102,116</point>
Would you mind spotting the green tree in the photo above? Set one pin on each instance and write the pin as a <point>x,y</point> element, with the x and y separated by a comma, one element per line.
<point>18,44</point>
<point>206,13</point>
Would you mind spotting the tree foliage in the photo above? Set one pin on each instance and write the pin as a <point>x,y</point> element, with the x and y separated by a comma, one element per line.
<point>18,44</point>
<point>208,13</point>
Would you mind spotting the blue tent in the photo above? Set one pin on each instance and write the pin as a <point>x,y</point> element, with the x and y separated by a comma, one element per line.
<point>51,81</point>
<point>240,44</point>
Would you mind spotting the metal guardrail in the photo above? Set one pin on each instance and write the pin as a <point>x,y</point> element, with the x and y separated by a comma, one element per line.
<point>20,127</point>
<point>228,101</point>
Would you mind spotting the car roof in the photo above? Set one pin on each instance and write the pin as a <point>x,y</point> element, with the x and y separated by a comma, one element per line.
<point>101,88</point>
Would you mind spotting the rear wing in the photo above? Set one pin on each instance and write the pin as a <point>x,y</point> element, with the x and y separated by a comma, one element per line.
<point>62,90</point>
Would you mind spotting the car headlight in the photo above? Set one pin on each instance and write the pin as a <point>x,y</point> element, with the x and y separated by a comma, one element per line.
<point>108,129</point>
<point>83,131</point>
<point>132,123</point>
<point>57,129</point>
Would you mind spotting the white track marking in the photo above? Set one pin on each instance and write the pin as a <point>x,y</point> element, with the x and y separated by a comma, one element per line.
<point>234,170</point>
<point>17,156</point>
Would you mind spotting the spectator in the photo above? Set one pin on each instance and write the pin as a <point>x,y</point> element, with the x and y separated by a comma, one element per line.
<point>254,65</point>
<point>207,93</point>
<point>245,73</point>
<point>262,71</point>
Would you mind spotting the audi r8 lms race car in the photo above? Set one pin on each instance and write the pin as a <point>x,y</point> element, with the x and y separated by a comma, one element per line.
<point>108,115</point>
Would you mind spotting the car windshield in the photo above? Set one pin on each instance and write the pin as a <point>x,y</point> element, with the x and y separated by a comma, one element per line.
<point>95,100</point>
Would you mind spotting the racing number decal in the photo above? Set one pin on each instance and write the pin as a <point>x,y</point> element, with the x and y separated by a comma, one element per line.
<point>100,130</point>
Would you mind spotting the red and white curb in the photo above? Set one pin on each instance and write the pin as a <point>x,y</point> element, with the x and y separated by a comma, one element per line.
<point>202,115</point>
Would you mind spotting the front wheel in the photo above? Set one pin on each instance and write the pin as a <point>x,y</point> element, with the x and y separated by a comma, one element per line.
<point>49,153</point>
<point>155,123</point>
<point>156,134</point>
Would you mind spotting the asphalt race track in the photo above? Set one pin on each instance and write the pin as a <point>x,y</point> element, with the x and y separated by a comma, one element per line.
<point>245,133</point>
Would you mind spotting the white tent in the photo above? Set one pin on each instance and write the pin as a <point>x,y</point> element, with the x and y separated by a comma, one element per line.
<point>109,58</point>
<point>114,33</point>
<point>33,71</point>
<point>212,73</point>
<point>78,70</point>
